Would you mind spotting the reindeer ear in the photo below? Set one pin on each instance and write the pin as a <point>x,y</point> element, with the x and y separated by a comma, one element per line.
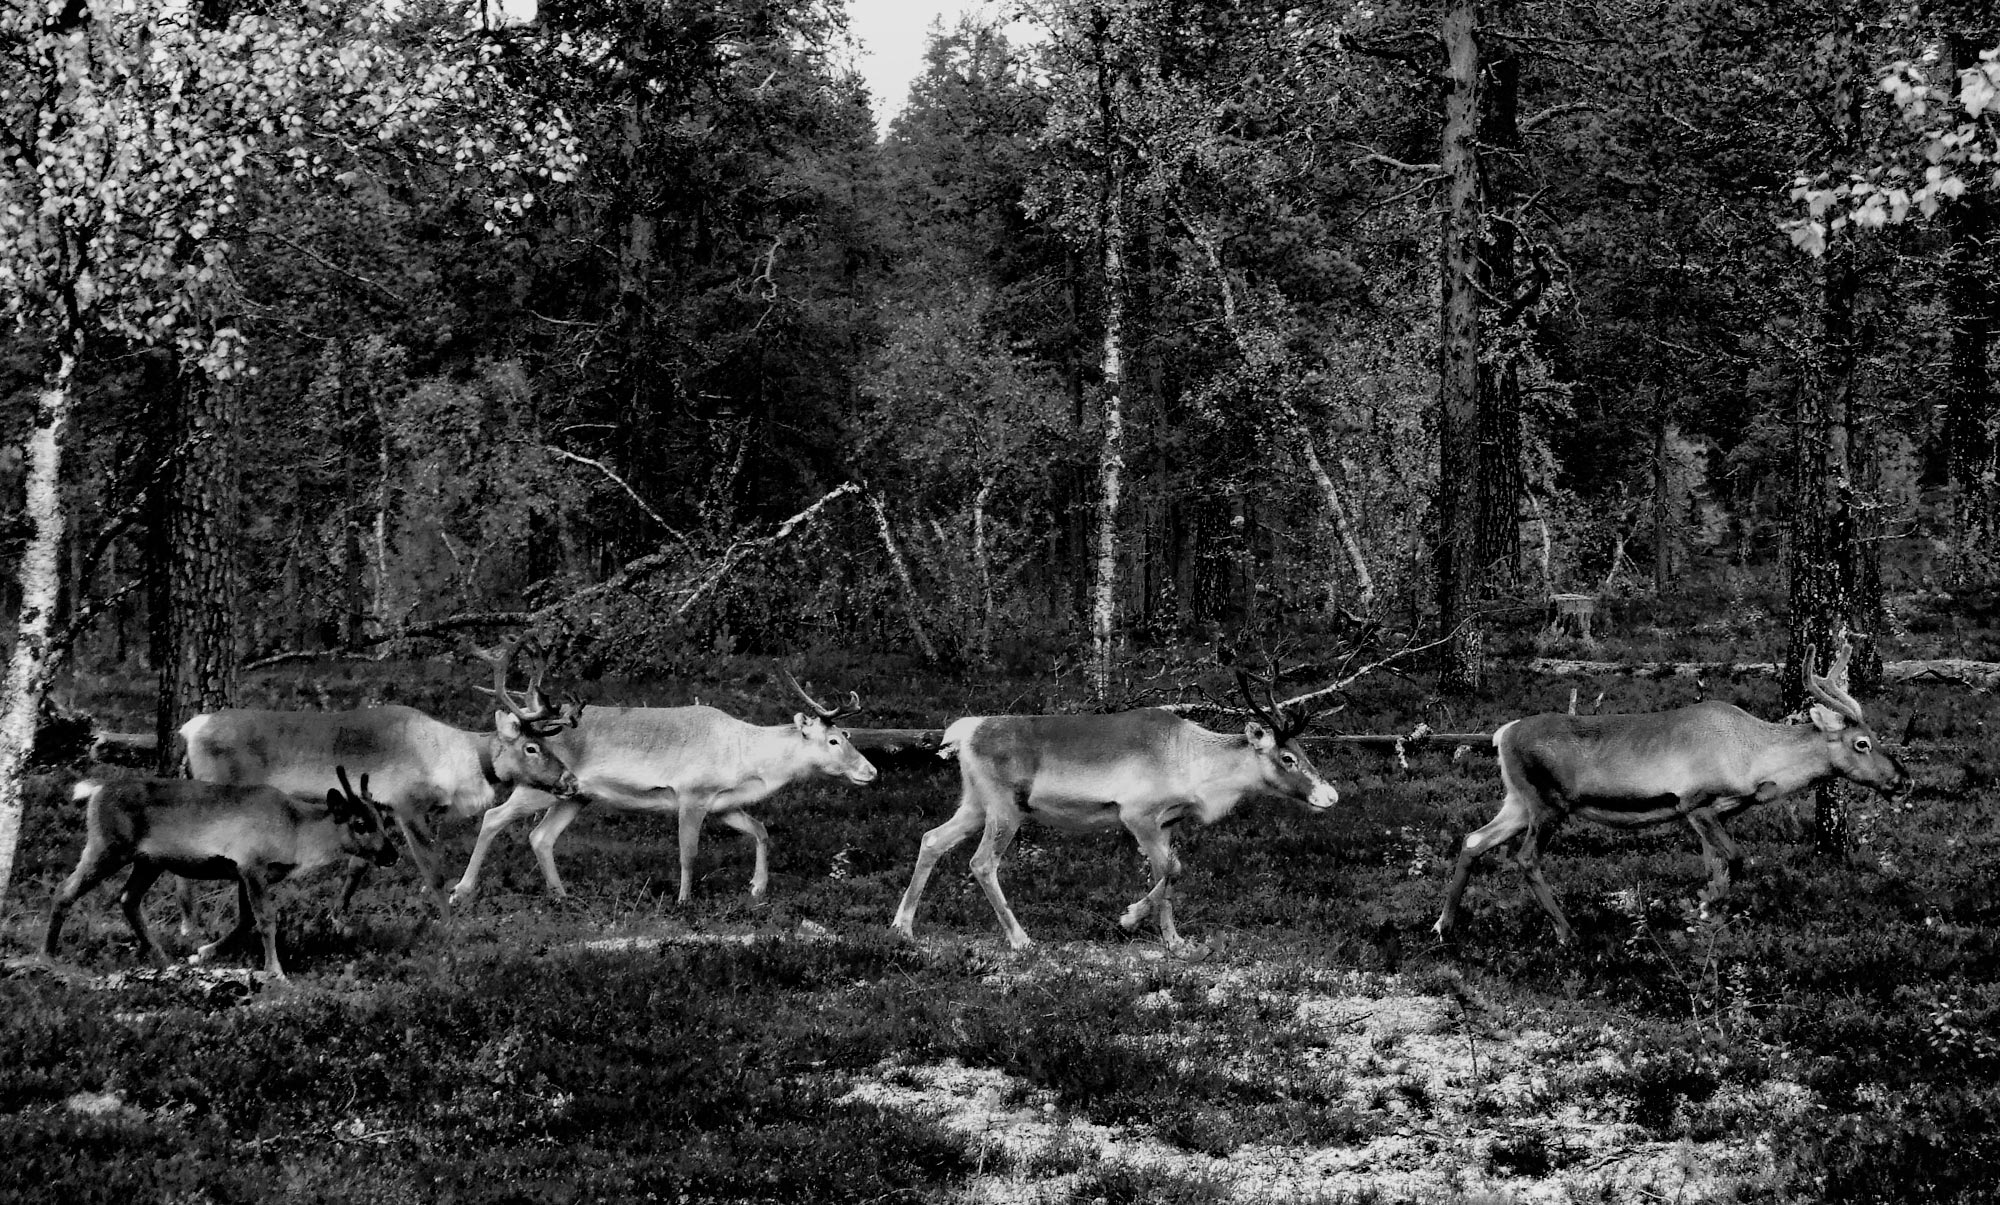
<point>805,722</point>
<point>336,801</point>
<point>507,724</point>
<point>1826,719</point>
<point>1260,737</point>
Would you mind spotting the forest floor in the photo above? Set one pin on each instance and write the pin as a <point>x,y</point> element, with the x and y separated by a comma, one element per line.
<point>1832,1033</point>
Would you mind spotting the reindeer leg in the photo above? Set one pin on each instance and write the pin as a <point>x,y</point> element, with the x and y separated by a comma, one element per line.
<point>188,906</point>
<point>753,828</point>
<point>256,896</point>
<point>246,924</point>
<point>421,840</point>
<point>1718,850</point>
<point>1529,859</point>
<point>1001,825</point>
<point>97,864</point>
<point>491,825</point>
<point>1512,821</point>
<point>936,844</point>
<point>133,901</point>
<point>692,813</point>
<point>1157,844</point>
<point>542,839</point>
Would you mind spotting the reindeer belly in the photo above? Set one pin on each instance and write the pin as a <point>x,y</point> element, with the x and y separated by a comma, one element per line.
<point>1631,811</point>
<point>1073,806</point>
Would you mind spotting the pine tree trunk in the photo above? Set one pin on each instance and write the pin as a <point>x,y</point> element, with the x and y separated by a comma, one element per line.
<point>1458,493</point>
<point>39,575</point>
<point>1822,531</point>
<point>196,657</point>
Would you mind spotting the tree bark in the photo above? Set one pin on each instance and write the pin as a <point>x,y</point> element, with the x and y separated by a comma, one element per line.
<point>1824,551</point>
<point>1505,336</point>
<point>1458,493</point>
<point>196,661</point>
<point>911,607</point>
<point>1105,578</point>
<point>39,575</point>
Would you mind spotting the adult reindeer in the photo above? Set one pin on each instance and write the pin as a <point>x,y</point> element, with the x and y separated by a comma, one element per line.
<point>256,835</point>
<point>691,761</point>
<point>1699,763</point>
<point>422,768</point>
<point>1145,770</point>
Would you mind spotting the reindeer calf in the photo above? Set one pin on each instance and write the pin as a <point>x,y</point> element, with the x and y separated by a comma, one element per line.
<point>256,835</point>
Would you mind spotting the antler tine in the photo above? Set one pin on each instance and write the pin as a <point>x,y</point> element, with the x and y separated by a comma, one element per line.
<point>824,712</point>
<point>1831,690</point>
<point>1250,700</point>
<point>533,709</point>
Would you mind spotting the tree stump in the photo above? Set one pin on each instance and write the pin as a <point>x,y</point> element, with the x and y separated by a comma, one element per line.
<point>1571,615</point>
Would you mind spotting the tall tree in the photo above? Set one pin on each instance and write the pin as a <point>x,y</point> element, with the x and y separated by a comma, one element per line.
<point>130,136</point>
<point>1458,483</point>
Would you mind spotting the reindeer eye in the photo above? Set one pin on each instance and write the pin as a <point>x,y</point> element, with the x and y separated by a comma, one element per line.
<point>1289,762</point>
<point>1861,744</point>
<point>532,749</point>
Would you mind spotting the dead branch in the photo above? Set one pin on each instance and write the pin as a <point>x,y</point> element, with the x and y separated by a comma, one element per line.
<point>1981,676</point>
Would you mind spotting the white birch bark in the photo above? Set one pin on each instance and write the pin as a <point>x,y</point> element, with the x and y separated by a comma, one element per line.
<point>902,568</point>
<point>1111,452</point>
<point>28,669</point>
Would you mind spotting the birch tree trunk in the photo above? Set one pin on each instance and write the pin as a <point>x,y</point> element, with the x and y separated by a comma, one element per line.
<point>1105,578</point>
<point>1458,494</point>
<point>902,569</point>
<point>1110,455</point>
<point>32,663</point>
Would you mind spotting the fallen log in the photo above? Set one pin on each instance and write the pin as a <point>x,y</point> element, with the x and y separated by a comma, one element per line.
<point>1982,676</point>
<point>898,746</point>
<point>124,748</point>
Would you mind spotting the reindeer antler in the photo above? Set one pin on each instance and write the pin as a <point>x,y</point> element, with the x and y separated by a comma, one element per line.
<point>532,709</point>
<point>1285,723</point>
<point>1832,689</point>
<point>829,714</point>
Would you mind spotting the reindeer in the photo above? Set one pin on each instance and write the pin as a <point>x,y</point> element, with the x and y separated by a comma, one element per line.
<point>423,768</point>
<point>256,835</point>
<point>1145,770</point>
<point>691,761</point>
<point>1699,764</point>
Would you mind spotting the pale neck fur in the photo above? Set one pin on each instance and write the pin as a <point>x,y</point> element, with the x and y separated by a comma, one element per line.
<point>1223,758</point>
<point>1794,756</point>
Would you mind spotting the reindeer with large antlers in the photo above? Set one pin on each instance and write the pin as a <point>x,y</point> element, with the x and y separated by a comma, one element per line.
<point>1699,764</point>
<point>1143,770</point>
<point>692,761</point>
<point>422,768</point>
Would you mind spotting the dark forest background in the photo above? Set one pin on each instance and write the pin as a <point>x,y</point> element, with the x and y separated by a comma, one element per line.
<point>1184,321</point>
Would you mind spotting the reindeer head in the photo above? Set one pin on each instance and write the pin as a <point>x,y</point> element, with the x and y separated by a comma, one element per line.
<point>1855,753</point>
<point>523,755</point>
<point>833,752</point>
<point>1274,736</point>
<point>367,835</point>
